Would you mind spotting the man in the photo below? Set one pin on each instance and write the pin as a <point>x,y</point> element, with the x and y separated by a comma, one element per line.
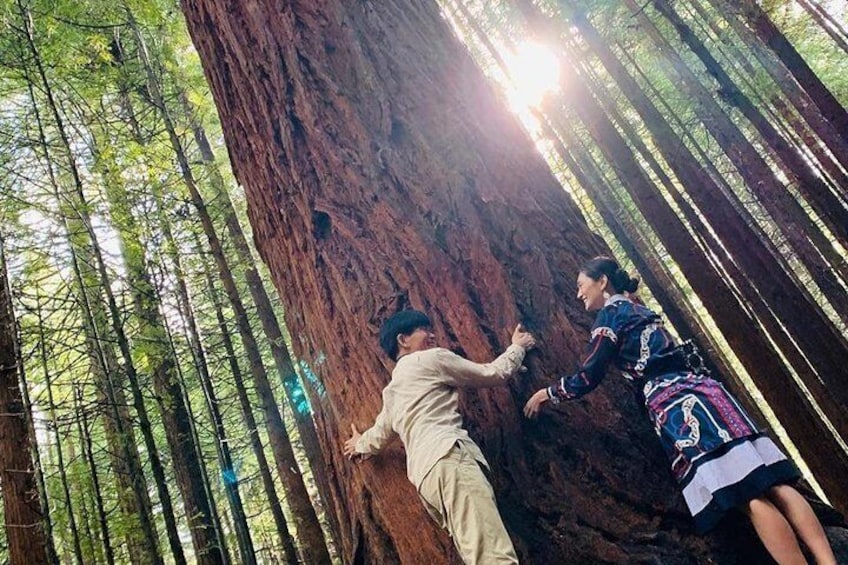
<point>443,462</point>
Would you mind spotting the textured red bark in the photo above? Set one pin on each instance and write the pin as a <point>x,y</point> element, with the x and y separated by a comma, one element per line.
<point>381,171</point>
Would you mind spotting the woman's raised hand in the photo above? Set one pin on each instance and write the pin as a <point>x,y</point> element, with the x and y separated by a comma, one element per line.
<point>531,409</point>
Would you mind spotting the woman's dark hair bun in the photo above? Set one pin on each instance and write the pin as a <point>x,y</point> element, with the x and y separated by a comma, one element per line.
<point>620,280</point>
<point>623,282</point>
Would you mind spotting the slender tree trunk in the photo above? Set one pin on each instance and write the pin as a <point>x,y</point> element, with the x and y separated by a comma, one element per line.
<point>138,402</point>
<point>92,552</point>
<point>834,28</point>
<point>22,513</point>
<point>215,516</point>
<point>222,449</point>
<point>797,126</point>
<point>187,317</point>
<point>297,398</point>
<point>133,498</point>
<point>185,458</point>
<point>60,458</point>
<point>807,140</point>
<point>131,486</point>
<point>818,195</point>
<point>228,470</point>
<point>80,209</point>
<point>758,21</point>
<point>285,538</point>
<point>309,533</point>
<point>158,355</point>
<point>794,92</point>
<point>132,489</point>
<point>44,503</point>
<point>88,452</point>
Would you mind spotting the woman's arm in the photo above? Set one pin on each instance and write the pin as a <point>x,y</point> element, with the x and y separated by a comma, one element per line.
<point>602,349</point>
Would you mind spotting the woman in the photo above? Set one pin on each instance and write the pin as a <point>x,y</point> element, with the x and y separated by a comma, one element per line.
<point>718,456</point>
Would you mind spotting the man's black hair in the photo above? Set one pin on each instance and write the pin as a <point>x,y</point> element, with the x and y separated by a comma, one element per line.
<point>402,323</point>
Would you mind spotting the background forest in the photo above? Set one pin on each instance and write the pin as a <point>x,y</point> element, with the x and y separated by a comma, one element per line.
<point>156,409</point>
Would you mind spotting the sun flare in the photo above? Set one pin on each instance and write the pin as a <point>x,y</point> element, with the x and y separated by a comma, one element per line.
<point>534,70</point>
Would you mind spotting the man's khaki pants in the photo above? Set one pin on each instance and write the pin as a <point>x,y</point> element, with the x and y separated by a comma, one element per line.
<point>458,496</point>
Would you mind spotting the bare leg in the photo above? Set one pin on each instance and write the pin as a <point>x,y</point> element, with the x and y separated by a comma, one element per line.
<point>775,532</point>
<point>805,523</point>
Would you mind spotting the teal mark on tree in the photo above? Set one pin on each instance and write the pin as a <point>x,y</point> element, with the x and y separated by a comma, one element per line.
<point>297,395</point>
<point>230,476</point>
<point>311,378</point>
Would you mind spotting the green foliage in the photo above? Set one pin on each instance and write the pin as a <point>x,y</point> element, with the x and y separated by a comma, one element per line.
<point>132,188</point>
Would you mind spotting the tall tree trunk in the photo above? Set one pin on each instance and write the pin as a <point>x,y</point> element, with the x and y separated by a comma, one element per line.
<point>272,416</point>
<point>131,486</point>
<point>215,515</point>
<point>222,443</point>
<point>297,398</point>
<point>91,550</point>
<point>44,503</point>
<point>22,513</point>
<point>145,425</point>
<point>835,175</point>
<point>834,28</point>
<point>133,498</point>
<point>88,453</point>
<point>758,20</point>
<point>309,533</point>
<point>794,92</point>
<point>376,159</point>
<point>188,320</point>
<point>798,126</point>
<point>158,356</point>
<point>79,213</point>
<point>832,212</point>
<point>60,457</point>
<point>285,538</point>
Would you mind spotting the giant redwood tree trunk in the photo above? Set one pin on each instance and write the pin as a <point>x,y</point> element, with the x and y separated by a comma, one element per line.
<point>381,172</point>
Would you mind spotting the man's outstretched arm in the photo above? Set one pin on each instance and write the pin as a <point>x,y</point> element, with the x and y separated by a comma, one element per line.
<point>465,373</point>
<point>371,440</point>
